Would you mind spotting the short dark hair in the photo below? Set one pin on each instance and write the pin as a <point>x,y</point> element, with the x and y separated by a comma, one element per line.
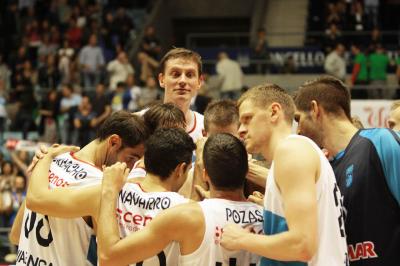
<point>164,115</point>
<point>266,94</point>
<point>166,149</point>
<point>225,160</point>
<point>221,113</point>
<point>129,127</point>
<point>181,53</point>
<point>331,93</point>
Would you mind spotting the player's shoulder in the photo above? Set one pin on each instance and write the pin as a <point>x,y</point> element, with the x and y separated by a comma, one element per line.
<point>296,145</point>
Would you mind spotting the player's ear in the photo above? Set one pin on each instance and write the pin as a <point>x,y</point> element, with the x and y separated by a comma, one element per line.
<point>115,142</point>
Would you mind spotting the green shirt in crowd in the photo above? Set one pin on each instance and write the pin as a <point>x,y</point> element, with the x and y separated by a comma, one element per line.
<point>361,59</point>
<point>378,63</point>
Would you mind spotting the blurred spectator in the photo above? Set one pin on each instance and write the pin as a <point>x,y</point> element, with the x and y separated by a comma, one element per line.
<point>378,63</point>
<point>46,48</point>
<point>68,107</point>
<point>91,60</point>
<point>360,71</point>
<point>49,76</point>
<point>74,34</point>
<point>5,74</point>
<point>3,112</point>
<point>148,66</point>
<point>231,76</point>
<point>55,35</point>
<point>85,122</point>
<point>151,44</point>
<point>48,118</point>
<point>358,21</point>
<point>101,104</point>
<point>64,13</point>
<point>260,47</point>
<point>117,97</point>
<point>17,64</point>
<point>289,66</point>
<point>108,33</point>
<point>375,39</point>
<point>149,93</point>
<point>7,177</point>
<point>332,36</point>
<point>65,54</point>
<point>18,196</point>
<point>124,25</point>
<point>335,64</point>
<point>119,69</point>
<point>131,95</point>
<point>333,16</point>
<point>372,11</point>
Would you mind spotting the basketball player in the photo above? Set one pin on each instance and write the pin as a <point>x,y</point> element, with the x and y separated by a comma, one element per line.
<point>181,78</point>
<point>196,227</point>
<point>46,240</point>
<point>367,169</point>
<point>303,219</point>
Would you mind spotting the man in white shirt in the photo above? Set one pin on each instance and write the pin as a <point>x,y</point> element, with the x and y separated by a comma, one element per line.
<point>119,69</point>
<point>231,76</point>
<point>335,64</point>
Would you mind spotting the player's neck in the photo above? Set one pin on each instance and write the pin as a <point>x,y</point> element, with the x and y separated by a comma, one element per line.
<point>338,135</point>
<point>153,183</point>
<point>234,195</point>
<point>279,134</point>
<point>87,153</point>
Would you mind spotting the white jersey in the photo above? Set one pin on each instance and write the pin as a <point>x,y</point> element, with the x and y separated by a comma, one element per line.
<point>332,248</point>
<point>136,208</point>
<point>46,240</point>
<point>195,129</point>
<point>137,171</point>
<point>217,214</point>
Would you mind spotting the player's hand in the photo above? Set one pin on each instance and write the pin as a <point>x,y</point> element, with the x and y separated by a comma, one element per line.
<point>57,149</point>
<point>114,176</point>
<point>257,198</point>
<point>257,172</point>
<point>39,154</point>
<point>232,235</point>
<point>204,194</point>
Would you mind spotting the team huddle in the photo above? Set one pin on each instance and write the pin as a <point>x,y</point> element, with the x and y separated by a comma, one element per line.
<point>131,196</point>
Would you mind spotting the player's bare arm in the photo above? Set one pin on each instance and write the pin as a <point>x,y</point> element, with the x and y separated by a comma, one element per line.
<point>59,202</point>
<point>170,225</point>
<point>297,186</point>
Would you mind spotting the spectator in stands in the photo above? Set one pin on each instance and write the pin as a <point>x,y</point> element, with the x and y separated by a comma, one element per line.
<point>74,34</point>
<point>65,55</point>
<point>289,66</point>
<point>333,16</point>
<point>335,64</point>
<point>119,69</point>
<point>375,39</point>
<point>117,97</point>
<point>231,75</point>
<point>55,35</point>
<point>394,117</point>
<point>91,60</point>
<point>360,71</point>
<point>48,118</point>
<point>7,177</point>
<point>358,21</point>
<point>372,11</point>
<point>378,63</point>
<point>46,48</point>
<point>101,104</point>
<point>3,112</point>
<point>124,25</point>
<point>148,66</point>
<point>131,95</point>
<point>20,159</point>
<point>151,44</point>
<point>49,77</point>
<point>149,93</point>
<point>18,196</point>
<point>260,47</point>
<point>68,107</point>
<point>332,36</point>
<point>5,73</point>
<point>85,122</point>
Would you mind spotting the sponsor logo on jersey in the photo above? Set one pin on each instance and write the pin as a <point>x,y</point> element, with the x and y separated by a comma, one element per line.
<point>363,250</point>
<point>133,222</point>
<point>26,258</point>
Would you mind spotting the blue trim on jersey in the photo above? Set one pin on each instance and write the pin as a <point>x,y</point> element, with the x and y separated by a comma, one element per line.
<point>389,154</point>
<point>274,224</point>
<point>92,251</point>
<point>338,155</point>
